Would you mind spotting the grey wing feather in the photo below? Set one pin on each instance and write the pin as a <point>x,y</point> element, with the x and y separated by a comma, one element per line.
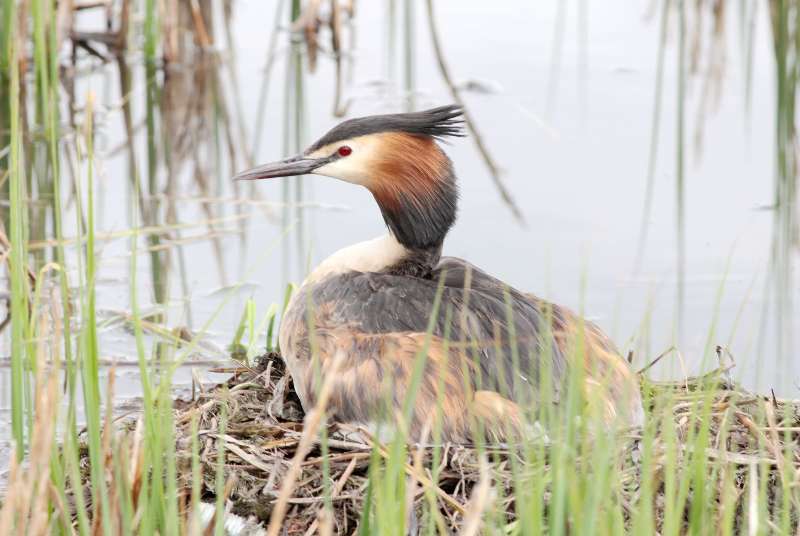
<point>480,309</point>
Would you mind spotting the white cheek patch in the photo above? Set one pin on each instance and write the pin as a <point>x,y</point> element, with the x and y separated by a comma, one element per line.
<point>344,169</point>
<point>355,167</point>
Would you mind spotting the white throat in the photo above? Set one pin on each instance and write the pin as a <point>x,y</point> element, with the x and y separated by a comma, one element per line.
<point>369,256</point>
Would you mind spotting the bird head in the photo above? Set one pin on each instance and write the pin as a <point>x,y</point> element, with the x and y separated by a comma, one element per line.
<point>398,159</point>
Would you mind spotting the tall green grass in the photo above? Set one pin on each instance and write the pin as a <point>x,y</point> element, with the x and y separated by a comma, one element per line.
<point>17,258</point>
<point>157,503</point>
<point>88,348</point>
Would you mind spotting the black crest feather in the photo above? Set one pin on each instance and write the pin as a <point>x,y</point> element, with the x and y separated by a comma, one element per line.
<point>441,122</point>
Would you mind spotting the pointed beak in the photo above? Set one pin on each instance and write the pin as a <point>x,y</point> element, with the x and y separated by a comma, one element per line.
<point>288,167</point>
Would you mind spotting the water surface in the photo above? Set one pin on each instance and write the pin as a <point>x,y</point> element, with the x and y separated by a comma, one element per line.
<point>571,131</point>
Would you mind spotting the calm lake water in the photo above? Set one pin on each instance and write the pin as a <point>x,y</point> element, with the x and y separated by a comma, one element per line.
<point>572,136</point>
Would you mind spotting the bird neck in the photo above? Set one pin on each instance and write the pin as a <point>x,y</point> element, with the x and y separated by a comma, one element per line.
<point>418,213</point>
<point>419,209</point>
<point>383,254</point>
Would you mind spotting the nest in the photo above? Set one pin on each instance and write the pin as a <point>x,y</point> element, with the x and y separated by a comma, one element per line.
<point>258,417</point>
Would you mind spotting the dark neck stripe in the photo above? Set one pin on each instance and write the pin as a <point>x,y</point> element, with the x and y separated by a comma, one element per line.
<point>423,223</point>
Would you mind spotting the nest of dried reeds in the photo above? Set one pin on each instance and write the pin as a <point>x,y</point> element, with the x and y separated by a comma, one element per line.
<point>264,425</point>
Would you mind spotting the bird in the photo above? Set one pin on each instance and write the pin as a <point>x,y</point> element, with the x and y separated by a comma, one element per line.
<point>395,334</point>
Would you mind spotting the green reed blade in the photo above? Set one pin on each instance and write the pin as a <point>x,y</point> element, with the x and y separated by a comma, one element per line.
<point>17,257</point>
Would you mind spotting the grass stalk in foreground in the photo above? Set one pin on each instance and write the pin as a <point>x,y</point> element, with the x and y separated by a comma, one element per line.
<point>18,257</point>
<point>89,346</point>
<point>577,483</point>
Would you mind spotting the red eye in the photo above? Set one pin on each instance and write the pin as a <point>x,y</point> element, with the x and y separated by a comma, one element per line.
<point>344,150</point>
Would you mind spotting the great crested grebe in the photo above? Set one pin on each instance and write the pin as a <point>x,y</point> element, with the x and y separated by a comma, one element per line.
<point>368,306</point>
